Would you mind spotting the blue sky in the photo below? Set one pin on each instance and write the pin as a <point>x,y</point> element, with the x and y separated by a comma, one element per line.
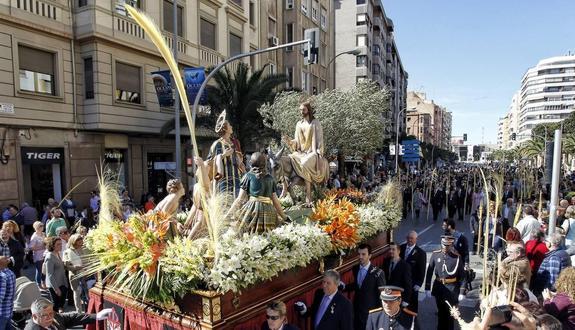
<point>469,56</point>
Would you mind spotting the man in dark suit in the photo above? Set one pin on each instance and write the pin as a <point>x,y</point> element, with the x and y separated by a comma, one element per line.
<point>330,310</point>
<point>416,258</point>
<point>437,202</point>
<point>366,283</point>
<point>461,243</point>
<point>398,273</point>
<point>44,317</point>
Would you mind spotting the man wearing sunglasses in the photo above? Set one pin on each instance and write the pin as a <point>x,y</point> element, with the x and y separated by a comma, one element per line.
<point>276,318</point>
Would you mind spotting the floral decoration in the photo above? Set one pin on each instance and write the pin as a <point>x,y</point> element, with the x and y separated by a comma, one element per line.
<point>339,219</point>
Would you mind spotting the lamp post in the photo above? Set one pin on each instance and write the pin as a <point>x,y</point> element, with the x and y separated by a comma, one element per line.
<point>355,52</point>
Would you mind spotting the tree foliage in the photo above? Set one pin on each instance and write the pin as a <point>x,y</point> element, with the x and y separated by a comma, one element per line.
<point>353,120</point>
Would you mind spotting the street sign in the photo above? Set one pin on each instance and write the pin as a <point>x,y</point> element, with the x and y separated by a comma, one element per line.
<point>392,150</point>
<point>411,151</point>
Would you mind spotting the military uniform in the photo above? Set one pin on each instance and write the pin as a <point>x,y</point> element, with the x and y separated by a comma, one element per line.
<point>448,268</point>
<point>378,319</point>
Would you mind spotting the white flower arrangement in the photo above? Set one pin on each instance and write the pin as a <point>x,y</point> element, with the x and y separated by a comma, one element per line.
<point>252,258</point>
<point>374,219</point>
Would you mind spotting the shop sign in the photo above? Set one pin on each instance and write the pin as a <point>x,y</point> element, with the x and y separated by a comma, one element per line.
<point>164,166</point>
<point>42,155</point>
<point>113,156</point>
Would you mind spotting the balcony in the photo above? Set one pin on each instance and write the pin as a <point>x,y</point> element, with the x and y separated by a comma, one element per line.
<point>209,57</point>
<point>377,23</point>
<point>42,13</point>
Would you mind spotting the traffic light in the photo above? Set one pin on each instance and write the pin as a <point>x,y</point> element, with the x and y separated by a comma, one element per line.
<point>465,137</point>
<point>311,49</point>
<point>513,136</point>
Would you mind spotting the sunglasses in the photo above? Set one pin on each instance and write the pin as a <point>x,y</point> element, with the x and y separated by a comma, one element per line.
<point>272,317</point>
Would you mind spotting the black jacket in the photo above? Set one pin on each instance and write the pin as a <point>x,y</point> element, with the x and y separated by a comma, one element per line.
<point>63,321</point>
<point>337,316</point>
<point>17,252</point>
<point>286,326</point>
<point>417,259</point>
<point>365,297</point>
<point>400,276</point>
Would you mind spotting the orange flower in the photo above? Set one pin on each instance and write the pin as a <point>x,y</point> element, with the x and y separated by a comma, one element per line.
<point>339,219</point>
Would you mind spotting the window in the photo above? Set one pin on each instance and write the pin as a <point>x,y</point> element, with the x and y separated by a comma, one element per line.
<point>128,85</point>
<point>169,17</point>
<point>253,62</point>
<point>360,2</point>
<point>304,6</point>
<point>323,18</point>
<point>88,78</point>
<point>304,81</point>
<point>289,4</point>
<point>361,60</point>
<point>362,40</point>
<point>82,3</point>
<point>237,2</point>
<point>361,19</point>
<point>207,34</point>
<point>120,9</point>
<point>314,10</point>
<point>252,13</point>
<point>323,54</point>
<point>272,27</point>
<point>273,69</point>
<point>289,36</point>
<point>37,69</point>
<point>235,45</point>
<point>289,74</point>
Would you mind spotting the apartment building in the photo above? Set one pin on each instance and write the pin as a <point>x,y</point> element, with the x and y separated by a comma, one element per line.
<point>547,94</point>
<point>419,124</point>
<point>363,24</point>
<point>76,88</point>
<point>440,120</point>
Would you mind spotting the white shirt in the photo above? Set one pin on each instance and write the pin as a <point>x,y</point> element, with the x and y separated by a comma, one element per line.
<point>408,249</point>
<point>528,225</point>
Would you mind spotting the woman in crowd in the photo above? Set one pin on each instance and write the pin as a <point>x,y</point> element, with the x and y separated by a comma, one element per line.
<point>55,270</point>
<point>73,262</point>
<point>562,304</point>
<point>535,250</point>
<point>56,221</point>
<point>276,317</point>
<point>38,248</point>
<point>14,230</point>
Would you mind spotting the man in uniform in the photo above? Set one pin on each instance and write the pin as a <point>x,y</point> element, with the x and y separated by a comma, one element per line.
<point>447,265</point>
<point>390,316</point>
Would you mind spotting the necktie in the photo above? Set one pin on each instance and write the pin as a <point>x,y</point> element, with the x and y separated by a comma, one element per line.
<point>408,251</point>
<point>321,310</point>
<point>391,267</point>
<point>361,276</point>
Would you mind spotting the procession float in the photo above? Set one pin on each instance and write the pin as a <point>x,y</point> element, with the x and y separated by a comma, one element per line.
<point>238,248</point>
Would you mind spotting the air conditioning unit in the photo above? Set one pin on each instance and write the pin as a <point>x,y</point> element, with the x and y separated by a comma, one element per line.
<point>274,41</point>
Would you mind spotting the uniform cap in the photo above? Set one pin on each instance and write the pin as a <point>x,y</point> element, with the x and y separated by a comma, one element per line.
<point>390,292</point>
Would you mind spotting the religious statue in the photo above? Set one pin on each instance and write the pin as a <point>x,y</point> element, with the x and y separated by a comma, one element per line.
<point>307,157</point>
<point>170,204</point>
<point>196,222</point>
<point>260,212</point>
<point>225,159</point>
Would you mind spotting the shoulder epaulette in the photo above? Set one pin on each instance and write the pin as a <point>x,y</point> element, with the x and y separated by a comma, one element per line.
<point>375,310</point>
<point>436,251</point>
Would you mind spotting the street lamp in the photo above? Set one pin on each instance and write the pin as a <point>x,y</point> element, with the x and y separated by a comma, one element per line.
<point>355,52</point>
<point>397,138</point>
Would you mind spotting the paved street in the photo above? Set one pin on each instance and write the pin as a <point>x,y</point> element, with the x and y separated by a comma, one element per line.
<point>429,234</point>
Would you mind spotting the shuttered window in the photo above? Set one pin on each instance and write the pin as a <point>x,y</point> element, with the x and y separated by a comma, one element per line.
<point>207,34</point>
<point>128,83</point>
<point>37,70</point>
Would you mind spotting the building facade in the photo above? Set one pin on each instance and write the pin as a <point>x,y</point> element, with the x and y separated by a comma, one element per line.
<point>76,87</point>
<point>419,124</point>
<point>363,25</point>
<point>547,94</point>
<point>440,120</point>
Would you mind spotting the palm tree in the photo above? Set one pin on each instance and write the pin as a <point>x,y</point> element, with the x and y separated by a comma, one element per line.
<point>240,94</point>
<point>532,148</point>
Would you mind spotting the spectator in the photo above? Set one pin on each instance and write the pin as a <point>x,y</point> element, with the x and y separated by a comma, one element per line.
<point>513,235</point>
<point>95,201</point>
<point>55,222</point>
<point>535,249</point>
<point>528,224</point>
<point>38,248</point>
<point>73,262</point>
<point>562,305</point>
<point>13,249</point>
<point>44,317</point>
<point>126,199</point>
<point>15,215</point>
<point>64,235</point>
<point>14,231</point>
<point>555,261</point>
<point>56,280</point>
<point>7,290</point>
<point>29,215</point>
<point>69,209</point>
<point>83,231</point>
<point>276,317</point>
<point>150,205</point>
<point>88,219</point>
<point>568,224</point>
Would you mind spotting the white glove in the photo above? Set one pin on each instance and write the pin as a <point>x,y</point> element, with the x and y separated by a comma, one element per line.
<point>416,287</point>
<point>428,293</point>
<point>103,314</point>
<point>301,307</point>
<point>460,297</point>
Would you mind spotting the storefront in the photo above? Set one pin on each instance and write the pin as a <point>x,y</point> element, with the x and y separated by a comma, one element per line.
<point>160,165</point>
<point>115,160</point>
<point>43,174</point>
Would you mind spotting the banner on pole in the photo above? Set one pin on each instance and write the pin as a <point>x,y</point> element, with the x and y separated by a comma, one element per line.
<point>163,84</point>
<point>193,79</point>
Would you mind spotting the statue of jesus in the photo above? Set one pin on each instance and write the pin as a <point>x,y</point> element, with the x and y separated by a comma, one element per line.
<point>307,147</point>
